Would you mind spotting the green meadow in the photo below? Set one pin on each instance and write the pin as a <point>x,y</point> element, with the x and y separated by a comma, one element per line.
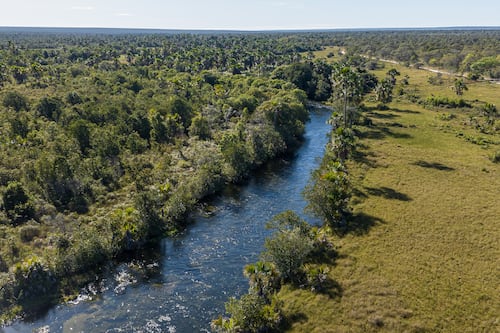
<point>422,253</point>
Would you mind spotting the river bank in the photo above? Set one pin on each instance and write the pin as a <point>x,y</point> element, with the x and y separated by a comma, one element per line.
<point>185,286</point>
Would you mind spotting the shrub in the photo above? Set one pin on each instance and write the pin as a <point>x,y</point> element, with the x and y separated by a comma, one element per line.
<point>495,157</point>
<point>446,102</point>
<point>34,285</point>
<point>328,194</point>
<point>15,100</point>
<point>17,203</point>
<point>316,276</point>
<point>28,232</point>
<point>250,313</point>
<point>288,250</point>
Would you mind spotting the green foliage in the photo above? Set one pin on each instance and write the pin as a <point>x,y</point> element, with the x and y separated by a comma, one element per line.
<point>459,87</point>
<point>34,284</point>
<point>180,107</point>
<point>348,89</point>
<point>17,203</point>
<point>250,314</point>
<point>328,193</point>
<point>73,98</point>
<point>130,230</point>
<point>236,154</point>
<point>495,157</point>
<point>56,178</point>
<point>148,205</point>
<point>264,279</point>
<point>87,250</point>
<point>437,101</point>
<point>384,91</point>
<point>80,130</point>
<point>200,127</point>
<point>50,108</point>
<point>288,250</point>
<point>287,116</point>
<point>16,101</point>
<point>316,276</point>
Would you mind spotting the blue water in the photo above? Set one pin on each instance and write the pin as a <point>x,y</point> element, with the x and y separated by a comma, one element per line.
<point>182,285</point>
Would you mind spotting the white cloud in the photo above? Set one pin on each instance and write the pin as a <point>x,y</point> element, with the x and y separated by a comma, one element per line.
<point>123,14</point>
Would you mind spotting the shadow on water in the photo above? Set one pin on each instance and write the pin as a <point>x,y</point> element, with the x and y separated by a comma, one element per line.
<point>433,165</point>
<point>387,193</point>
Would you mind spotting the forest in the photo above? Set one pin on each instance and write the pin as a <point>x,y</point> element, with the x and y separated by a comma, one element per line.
<point>110,141</point>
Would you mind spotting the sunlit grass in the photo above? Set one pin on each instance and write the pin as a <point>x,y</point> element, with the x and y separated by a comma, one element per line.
<point>426,256</point>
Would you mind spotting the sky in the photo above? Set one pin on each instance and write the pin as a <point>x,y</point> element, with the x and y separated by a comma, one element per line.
<point>249,14</point>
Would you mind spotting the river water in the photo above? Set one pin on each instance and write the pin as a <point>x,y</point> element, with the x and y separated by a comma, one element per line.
<point>182,284</point>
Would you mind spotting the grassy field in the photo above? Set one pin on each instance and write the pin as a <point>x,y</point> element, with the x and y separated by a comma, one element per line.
<point>424,252</point>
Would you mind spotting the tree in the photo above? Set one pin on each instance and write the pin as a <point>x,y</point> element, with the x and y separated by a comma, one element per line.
<point>347,88</point>
<point>80,130</point>
<point>263,278</point>
<point>289,247</point>
<point>181,107</point>
<point>250,314</point>
<point>15,100</point>
<point>200,127</point>
<point>392,73</point>
<point>50,108</point>
<point>459,87</point>
<point>384,91</point>
<point>17,203</point>
<point>328,194</point>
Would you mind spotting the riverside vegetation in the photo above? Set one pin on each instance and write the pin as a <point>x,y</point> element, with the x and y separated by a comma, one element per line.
<point>395,265</point>
<point>109,141</point>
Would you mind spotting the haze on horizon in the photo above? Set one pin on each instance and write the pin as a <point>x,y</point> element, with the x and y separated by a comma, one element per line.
<point>249,15</point>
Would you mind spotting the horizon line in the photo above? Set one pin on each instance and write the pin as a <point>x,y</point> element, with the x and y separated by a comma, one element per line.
<point>312,29</point>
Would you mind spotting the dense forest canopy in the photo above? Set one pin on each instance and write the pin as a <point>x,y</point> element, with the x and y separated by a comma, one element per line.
<point>109,140</point>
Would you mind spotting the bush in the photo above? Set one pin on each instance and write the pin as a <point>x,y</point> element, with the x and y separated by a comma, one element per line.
<point>288,250</point>
<point>250,313</point>
<point>495,157</point>
<point>16,101</point>
<point>28,232</point>
<point>34,285</point>
<point>446,102</point>
<point>17,203</point>
<point>328,194</point>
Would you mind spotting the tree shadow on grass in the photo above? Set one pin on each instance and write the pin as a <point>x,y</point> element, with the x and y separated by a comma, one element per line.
<point>396,135</point>
<point>330,288</point>
<point>373,134</point>
<point>363,157</point>
<point>359,224</point>
<point>381,132</point>
<point>288,321</point>
<point>387,193</point>
<point>383,115</point>
<point>433,165</point>
<point>405,111</point>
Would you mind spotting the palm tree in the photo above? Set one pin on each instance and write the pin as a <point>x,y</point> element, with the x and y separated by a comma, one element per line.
<point>347,87</point>
<point>459,87</point>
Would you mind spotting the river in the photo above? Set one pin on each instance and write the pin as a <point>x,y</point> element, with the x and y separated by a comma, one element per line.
<point>182,284</point>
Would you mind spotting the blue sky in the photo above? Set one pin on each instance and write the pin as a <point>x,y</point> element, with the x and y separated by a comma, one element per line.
<point>248,14</point>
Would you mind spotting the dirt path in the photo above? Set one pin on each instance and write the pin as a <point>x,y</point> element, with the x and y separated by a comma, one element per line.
<point>429,69</point>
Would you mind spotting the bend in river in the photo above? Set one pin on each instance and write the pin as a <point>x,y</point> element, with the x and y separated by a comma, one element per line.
<point>183,285</point>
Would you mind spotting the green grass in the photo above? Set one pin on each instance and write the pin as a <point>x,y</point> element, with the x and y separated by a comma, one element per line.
<point>424,253</point>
